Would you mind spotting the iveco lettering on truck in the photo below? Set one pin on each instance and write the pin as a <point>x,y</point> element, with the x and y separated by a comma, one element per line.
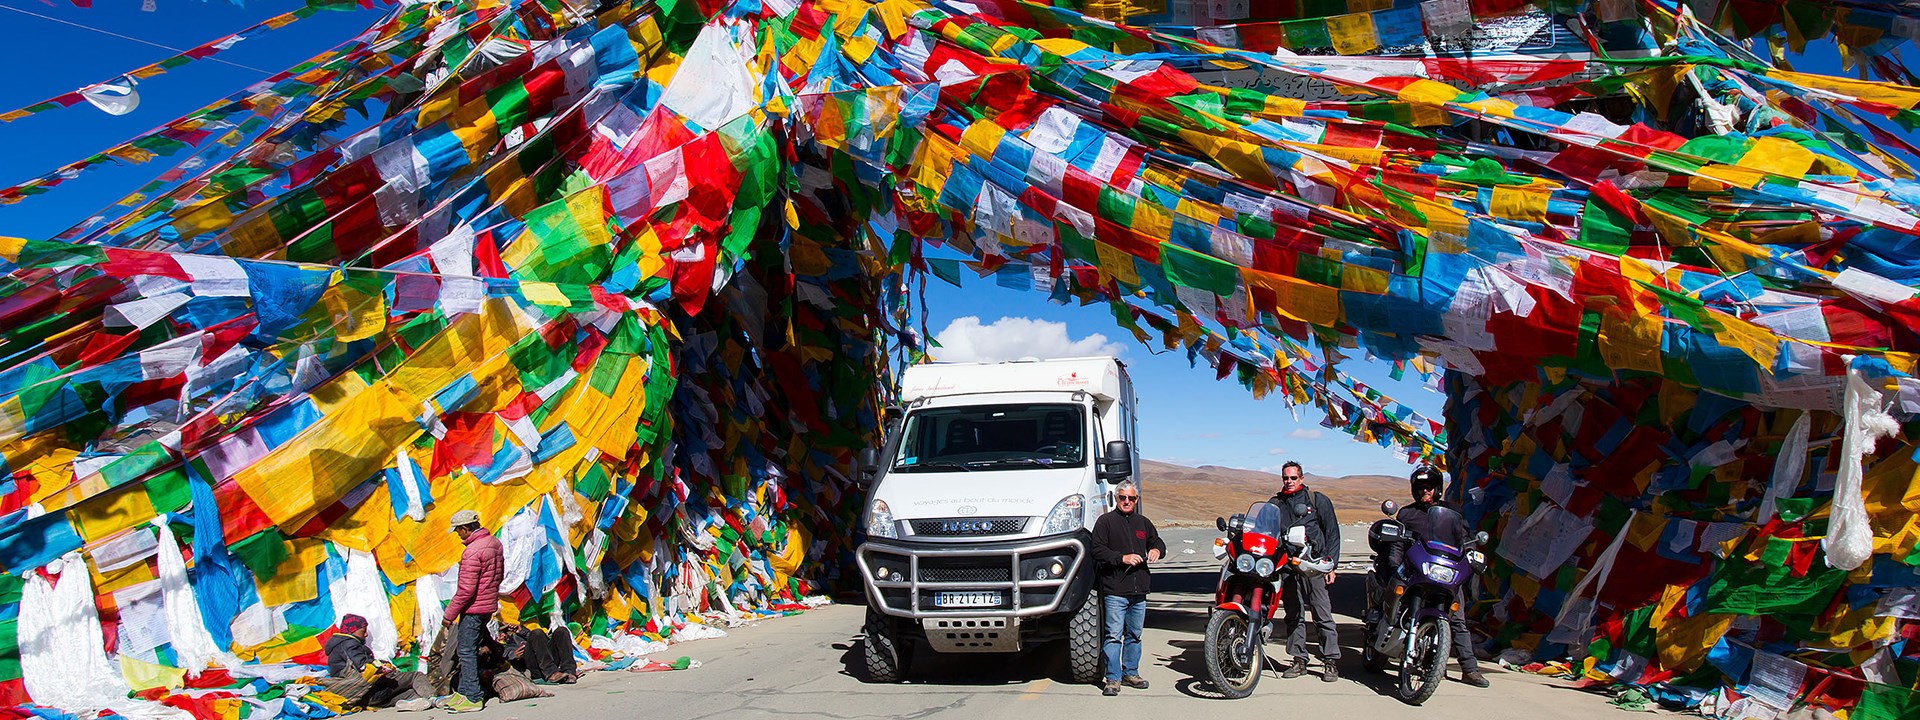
<point>981,505</point>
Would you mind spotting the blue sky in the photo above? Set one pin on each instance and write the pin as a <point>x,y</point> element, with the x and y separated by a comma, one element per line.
<point>1187,416</point>
<point>52,59</point>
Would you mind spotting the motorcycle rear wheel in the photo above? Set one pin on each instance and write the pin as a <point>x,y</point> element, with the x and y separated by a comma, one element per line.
<point>1232,665</point>
<point>1425,664</point>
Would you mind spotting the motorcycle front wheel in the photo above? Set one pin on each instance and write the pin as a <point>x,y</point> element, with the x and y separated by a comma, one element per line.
<point>1235,654</point>
<point>1425,664</point>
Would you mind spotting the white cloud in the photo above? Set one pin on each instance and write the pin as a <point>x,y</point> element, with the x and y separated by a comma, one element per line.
<point>1276,451</point>
<point>1306,434</point>
<point>1012,338</point>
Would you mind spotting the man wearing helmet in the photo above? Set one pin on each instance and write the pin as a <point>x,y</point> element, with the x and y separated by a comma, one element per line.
<point>1431,520</point>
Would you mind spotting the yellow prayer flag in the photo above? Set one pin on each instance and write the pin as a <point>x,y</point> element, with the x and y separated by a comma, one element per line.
<point>1756,342</point>
<point>1116,265</point>
<point>1778,156</point>
<point>543,293</point>
<point>981,138</point>
<point>1528,203</point>
<point>113,511</point>
<point>1353,33</point>
<point>1428,92</point>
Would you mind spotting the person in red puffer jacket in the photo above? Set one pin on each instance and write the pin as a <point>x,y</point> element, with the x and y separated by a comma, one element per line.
<point>476,600</point>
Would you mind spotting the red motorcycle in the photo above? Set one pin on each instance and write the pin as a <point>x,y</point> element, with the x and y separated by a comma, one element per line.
<point>1256,552</point>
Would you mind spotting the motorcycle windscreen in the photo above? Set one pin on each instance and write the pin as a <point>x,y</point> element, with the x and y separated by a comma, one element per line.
<point>1260,531</point>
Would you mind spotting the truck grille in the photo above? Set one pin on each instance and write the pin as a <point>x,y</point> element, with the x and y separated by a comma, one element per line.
<point>966,569</point>
<point>968,527</point>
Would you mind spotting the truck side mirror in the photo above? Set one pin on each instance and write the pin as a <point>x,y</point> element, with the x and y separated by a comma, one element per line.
<point>1116,464</point>
<point>869,466</point>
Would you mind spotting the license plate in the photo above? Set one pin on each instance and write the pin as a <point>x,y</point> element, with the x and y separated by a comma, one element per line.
<point>966,599</point>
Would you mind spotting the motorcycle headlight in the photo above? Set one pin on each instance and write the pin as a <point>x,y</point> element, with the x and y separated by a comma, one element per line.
<point>1439,573</point>
<point>1065,516</point>
<point>1244,563</point>
<point>880,521</point>
<point>1263,567</point>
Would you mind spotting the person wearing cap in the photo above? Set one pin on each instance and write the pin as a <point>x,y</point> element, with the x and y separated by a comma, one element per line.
<point>347,661</point>
<point>1448,527</point>
<point>475,600</point>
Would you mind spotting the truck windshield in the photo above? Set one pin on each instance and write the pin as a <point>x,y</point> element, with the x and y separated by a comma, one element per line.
<point>993,436</point>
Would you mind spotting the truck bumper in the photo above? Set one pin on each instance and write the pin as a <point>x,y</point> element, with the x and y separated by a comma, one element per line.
<point>999,580</point>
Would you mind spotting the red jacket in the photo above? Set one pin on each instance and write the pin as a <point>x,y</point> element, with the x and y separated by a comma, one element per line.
<point>481,568</point>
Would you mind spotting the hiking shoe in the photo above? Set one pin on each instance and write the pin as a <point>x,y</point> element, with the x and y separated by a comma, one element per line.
<point>462,704</point>
<point>1474,678</point>
<point>414,705</point>
<point>1332,673</point>
<point>1134,681</point>
<point>1298,668</point>
<point>1110,689</point>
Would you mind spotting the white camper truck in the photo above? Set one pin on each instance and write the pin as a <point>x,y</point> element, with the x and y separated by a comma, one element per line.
<point>981,505</point>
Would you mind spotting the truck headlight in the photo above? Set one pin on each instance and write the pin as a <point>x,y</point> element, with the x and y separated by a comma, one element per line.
<point>1065,516</point>
<point>880,521</point>
<point>1439,573</point>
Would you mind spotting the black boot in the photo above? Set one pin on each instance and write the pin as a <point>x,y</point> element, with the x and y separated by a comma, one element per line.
<point>1474,678</point>
<point>1298,668</point>
<point>1332,673</point>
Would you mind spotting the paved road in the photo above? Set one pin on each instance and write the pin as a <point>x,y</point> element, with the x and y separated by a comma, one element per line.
<point>806,666</point>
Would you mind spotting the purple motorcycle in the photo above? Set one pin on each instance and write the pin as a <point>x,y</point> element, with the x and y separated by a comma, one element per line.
<point>1408,606</point>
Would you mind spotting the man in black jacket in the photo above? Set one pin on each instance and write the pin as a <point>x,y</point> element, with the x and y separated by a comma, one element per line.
<point>1307,591</point>
<point>347,654</point>
<point>1124,542</point>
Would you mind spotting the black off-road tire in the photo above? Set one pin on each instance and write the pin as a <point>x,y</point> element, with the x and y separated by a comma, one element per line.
<point>887,656</point>
<point>1083,642</point>
<point>1425,665</point>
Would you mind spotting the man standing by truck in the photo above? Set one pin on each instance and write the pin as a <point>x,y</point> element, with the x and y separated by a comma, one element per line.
<point>1304,591</point>
<point>1124,543</point>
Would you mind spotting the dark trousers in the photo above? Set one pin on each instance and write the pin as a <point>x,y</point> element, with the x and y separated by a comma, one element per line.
<point>384,691</point>
<point>1462,640</point>
<point>1301,592</point>
<point>549,653</point>
<point>399,686</point>
<point>467,651</point>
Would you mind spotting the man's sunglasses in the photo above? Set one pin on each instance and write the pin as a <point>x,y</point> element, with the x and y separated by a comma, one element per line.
<point>1129,497</point>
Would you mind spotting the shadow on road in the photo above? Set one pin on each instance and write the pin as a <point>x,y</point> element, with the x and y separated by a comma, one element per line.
<point>1045,661</point>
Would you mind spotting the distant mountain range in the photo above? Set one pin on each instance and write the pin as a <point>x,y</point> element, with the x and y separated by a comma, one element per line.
<point>1176,495</point>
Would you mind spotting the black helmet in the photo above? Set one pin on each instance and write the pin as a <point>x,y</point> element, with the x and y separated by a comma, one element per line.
<point>1425,477</point>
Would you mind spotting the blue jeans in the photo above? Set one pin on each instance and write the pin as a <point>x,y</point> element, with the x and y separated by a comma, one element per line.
<point>1126,614</point>
<point>467,651</point>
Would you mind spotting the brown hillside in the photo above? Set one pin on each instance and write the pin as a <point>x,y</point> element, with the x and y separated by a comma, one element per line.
<point>1195,496</point>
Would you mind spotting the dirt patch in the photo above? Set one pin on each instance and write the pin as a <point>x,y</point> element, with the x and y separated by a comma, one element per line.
<point>1180,496</point>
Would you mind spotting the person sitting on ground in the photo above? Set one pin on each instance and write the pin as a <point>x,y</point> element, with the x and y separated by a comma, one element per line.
<point>347,660</point>
<point>543,656</point>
